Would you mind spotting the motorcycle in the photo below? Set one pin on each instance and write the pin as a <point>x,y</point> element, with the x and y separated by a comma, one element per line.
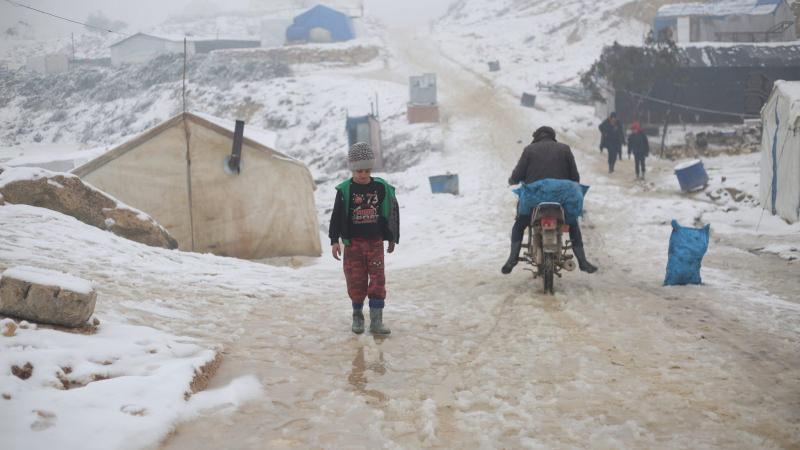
<point>546,250</point>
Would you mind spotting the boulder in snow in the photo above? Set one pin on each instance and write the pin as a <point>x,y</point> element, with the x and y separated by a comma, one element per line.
<point>46,296</point>
<point>68,194</point>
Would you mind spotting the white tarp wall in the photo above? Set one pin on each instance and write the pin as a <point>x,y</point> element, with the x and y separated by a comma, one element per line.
<point>780,151</point>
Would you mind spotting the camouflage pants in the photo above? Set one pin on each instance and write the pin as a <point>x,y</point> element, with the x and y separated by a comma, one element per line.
<point>363,270</point>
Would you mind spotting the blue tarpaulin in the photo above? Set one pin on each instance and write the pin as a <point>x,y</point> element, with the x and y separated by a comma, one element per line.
<point>569,193</point>
<point>320,16</point>
<point>687,246</point>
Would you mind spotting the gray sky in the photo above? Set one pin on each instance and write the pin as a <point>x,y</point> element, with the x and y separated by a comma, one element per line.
<point>141,14</point>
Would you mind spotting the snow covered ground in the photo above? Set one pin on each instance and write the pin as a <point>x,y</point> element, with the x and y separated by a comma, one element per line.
<point>475,359</point>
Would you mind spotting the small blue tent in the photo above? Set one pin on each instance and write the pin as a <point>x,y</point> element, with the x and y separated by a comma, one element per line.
<point>338,24</point>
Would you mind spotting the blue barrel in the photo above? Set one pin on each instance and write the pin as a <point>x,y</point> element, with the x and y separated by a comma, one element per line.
<point>444,184</point>
<point>691,175</point>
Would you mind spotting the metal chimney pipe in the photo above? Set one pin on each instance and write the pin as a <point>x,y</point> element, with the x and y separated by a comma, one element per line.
<point>236,152</point>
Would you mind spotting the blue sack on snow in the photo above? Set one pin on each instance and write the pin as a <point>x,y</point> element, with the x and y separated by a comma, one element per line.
<point>569,193</point>
<point>687,246</point>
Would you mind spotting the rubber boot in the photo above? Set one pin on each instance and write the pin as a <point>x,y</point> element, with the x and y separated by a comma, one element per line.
<point>376,322</point>
<point>583,264</point>
<point>358,322</point>
<point>513,258</point>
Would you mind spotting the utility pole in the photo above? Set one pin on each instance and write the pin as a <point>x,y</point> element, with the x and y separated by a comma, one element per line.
<point>184,74</point>
<point>73,46</point>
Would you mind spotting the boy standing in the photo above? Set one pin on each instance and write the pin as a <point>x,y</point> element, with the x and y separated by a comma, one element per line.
<point>364,215</point>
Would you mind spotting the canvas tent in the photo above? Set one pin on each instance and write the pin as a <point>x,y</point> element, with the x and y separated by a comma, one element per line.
<point>140,48</point>
<point>176,173</point>
<point>726,21</point>
<point>320,24</point>
<point>780,151</point>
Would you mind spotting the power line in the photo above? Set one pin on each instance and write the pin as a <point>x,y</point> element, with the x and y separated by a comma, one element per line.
<point>687,107</point>
<point>64,18</point>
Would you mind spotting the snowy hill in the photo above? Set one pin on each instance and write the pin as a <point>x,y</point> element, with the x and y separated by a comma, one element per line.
<point>540,41</point>
<point>476,359</point>
<point>303,93</point>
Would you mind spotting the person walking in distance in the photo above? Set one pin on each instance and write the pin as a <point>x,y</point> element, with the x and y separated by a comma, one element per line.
<point>612,137</point>
<point>365,213</point>
<point>639,146</point>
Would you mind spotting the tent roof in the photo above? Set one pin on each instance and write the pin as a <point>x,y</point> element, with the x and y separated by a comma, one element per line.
<point>254,137</point>
<point>741,56</point>
<point>720,8</point>
<point>152,36</point>
<point>319,11</point>
<point>791,91</point>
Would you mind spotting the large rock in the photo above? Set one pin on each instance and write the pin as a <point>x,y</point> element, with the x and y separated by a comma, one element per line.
<point>69,195</point>
<point>46,296</point>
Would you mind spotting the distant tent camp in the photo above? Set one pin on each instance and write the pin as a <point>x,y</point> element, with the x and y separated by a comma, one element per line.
<point>320,24</point>
<point>265,210</point>
<point>780,151</point>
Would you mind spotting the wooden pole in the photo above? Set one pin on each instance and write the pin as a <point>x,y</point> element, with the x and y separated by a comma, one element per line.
<point>184,74</point>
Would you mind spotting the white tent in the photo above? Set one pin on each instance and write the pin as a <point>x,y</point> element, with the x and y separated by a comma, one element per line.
<point>780,151</point>
<point>176,172</point>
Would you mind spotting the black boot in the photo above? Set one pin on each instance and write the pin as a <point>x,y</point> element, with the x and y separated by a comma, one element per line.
<point>583,264</point>
<point>513,258</point>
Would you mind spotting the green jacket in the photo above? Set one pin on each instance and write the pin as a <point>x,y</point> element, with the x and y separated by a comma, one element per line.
<point>389,213</point>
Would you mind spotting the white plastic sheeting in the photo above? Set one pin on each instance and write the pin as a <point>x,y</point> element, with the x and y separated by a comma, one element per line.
<point>780,151</point>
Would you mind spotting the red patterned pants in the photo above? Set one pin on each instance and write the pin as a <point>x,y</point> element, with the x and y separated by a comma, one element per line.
<point>363,269</point>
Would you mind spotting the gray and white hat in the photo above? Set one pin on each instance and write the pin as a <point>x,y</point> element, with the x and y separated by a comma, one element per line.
<point>361,157</point>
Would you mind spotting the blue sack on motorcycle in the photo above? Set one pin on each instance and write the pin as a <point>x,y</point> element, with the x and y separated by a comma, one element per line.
<point>569,193</point>
<point>687,246</point>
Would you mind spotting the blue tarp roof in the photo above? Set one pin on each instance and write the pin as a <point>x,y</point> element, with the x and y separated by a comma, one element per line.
<point>321,16</point>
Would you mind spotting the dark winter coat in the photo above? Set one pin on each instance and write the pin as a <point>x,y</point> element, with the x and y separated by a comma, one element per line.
<point>389,211</point>
<point>545,158</point>
<point>638,145</point>
<point>611,137</point>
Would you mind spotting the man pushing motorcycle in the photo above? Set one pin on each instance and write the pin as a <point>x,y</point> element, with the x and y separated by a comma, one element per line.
<point>545,158</point>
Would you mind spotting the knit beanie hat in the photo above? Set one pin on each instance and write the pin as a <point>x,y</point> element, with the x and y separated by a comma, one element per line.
<point>360,156</point>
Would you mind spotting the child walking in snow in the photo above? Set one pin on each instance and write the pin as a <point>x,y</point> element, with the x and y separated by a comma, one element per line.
<point>365,213</point>
<point>638,145</point>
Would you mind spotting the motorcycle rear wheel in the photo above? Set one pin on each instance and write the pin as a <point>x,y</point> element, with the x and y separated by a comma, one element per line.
<point>548,271</point>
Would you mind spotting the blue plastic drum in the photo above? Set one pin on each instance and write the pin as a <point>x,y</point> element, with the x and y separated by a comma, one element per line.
<point>691,175</point>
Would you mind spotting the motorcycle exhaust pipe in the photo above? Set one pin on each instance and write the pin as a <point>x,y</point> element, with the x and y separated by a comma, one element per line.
<point>568,265</point>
